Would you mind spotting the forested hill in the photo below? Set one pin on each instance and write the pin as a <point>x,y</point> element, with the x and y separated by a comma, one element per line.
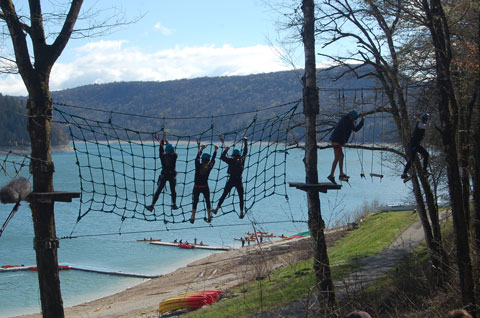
<point>158,102</point>
<point>186,98</point>
<point>147,106</point>
<point>13,124</point>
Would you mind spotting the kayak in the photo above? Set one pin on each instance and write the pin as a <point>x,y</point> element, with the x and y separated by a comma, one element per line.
<point>191,300</point>
<point>186,245</point>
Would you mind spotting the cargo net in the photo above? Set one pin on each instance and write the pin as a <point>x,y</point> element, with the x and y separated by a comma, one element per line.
<point>119,167</point>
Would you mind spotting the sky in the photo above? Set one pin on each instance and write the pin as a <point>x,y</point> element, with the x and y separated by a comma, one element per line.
<point>173,39</point>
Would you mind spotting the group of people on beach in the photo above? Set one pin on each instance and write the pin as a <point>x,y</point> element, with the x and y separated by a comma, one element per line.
<point>204,163</point>
<point>347,124</point>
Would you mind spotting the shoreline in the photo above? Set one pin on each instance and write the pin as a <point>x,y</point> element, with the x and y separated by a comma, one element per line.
<point>222,270</point>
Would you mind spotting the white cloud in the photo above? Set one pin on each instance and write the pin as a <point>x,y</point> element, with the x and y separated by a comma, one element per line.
<point>163,29</point>
<point>110,61</point>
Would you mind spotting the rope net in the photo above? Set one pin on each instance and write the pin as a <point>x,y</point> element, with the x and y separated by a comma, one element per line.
<point>119,167</point>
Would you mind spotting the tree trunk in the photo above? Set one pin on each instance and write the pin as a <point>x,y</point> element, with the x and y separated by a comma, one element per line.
<point>476,170</point>
<point>448,110</point>
<point>321,266</point>
<point>46,242</point>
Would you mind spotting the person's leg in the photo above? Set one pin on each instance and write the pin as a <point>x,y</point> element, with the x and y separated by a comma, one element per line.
<point>161,183</point>
<point>239,187</point>
<point>425,156</point>
<point>226,191</point>
<point>340,163</point>
<point>196,195</point>
<point>337,151</point>
<point>412,154</point>
<point>173,182</point>
<point>206,195</point>
<point>336,156</point>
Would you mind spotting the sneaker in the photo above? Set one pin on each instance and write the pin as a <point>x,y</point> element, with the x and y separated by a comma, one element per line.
<point>343,176</point>
<point>216,210</point>
<point>209,219</point>
<point>332,179</point>
<point>241,214</point>
<point>174,207</point>
<point>149,208</point>
<point>192,220</point>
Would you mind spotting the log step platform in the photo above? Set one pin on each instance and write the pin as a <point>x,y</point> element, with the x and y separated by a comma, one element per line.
<point>318,187</point>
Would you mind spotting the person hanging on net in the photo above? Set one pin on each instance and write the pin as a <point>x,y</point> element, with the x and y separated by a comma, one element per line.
<point>414,147</point>
<point>202,171</point>
<point>168,158</point>
<point>339,137</point>
<point>235,164</point>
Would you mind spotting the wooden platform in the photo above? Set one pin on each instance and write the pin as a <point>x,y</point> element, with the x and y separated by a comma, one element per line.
<point>318,187</point>
<point>205,247</point>
<point>47,197</point>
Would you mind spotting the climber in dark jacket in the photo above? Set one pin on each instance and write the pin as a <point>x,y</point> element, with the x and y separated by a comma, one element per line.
<point>339,137</point>
<point>235,164</point>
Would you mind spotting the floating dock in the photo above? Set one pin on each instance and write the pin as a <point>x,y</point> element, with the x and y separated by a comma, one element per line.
<point>13,268</point>
<point>205,247</point>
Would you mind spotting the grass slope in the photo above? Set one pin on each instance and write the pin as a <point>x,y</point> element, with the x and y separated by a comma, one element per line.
<point>296,281</point>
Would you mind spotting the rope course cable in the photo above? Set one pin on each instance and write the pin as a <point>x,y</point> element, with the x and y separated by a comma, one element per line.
<point>119,167</point>
<point>13,163</point>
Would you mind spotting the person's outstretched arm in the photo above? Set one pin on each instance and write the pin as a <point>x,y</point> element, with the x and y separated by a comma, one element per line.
<point>223,156</point>
<point>360,124</point>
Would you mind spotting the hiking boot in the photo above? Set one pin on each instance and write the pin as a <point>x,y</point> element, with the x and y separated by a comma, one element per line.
<point>332,179</point>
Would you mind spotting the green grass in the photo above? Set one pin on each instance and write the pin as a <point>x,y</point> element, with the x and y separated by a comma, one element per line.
<point>297,281</point>
<point>375,233</point>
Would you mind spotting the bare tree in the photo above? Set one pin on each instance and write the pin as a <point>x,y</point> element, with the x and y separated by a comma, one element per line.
<point>34,58</point>
<point>437,23</point>
<point>383,51</point>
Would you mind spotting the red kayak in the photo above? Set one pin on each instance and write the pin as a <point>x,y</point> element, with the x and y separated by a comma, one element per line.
<point>186,245</point>
<point>11,266</point>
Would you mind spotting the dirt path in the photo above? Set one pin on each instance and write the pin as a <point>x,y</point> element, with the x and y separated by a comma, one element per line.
<point>374,267</point>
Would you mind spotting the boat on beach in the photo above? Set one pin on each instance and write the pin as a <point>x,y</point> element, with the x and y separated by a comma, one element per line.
<point>192,300</point>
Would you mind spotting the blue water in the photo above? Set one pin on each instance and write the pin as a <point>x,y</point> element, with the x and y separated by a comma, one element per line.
<point>19,290</point>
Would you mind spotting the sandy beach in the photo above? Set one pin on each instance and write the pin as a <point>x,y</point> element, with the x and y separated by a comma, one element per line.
<point>217,271</point>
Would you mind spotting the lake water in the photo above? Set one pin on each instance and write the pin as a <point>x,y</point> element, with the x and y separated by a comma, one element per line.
<point>274,214</point>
